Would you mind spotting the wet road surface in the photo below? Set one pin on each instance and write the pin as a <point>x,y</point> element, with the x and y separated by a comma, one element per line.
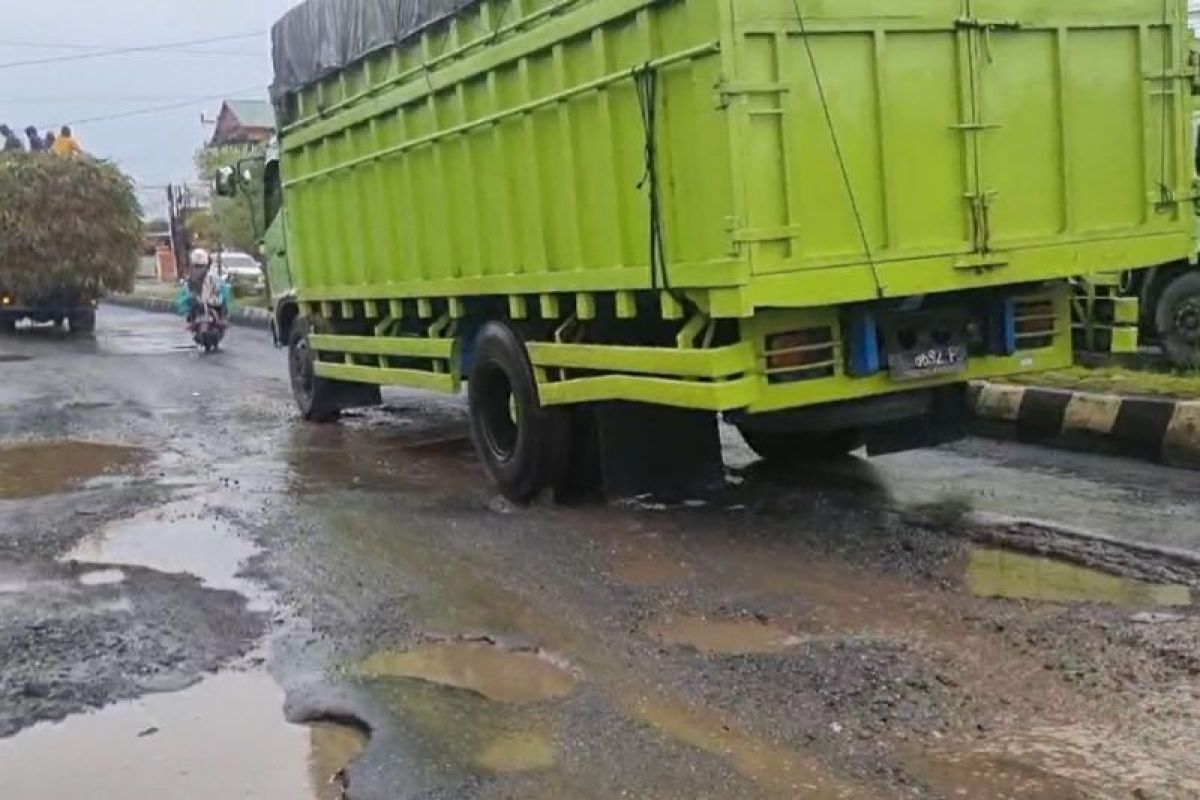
<point>202,597</point>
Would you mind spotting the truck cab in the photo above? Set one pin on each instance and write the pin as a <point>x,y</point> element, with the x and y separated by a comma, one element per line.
<point>232,182</point>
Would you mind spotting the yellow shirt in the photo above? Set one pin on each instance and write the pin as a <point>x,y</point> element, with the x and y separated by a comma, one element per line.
<point>66,146</point>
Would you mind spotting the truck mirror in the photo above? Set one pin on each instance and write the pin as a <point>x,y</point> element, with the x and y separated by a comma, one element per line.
<point>225,183</point>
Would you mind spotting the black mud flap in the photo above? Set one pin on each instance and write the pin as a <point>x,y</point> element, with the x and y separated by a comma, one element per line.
<point>623,450</point>
<point>358,395</point>
<point>945,422</point>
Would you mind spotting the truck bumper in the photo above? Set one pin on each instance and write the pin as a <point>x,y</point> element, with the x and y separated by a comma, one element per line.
<point>830,356</point>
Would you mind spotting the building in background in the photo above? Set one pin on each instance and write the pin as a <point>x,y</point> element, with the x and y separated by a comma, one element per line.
<point>243,123</point>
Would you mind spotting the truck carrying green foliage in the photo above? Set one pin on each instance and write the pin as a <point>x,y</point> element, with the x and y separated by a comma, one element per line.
<point>70,229</point>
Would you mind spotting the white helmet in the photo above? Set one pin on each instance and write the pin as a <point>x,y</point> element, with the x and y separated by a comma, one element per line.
<point>200,257</point>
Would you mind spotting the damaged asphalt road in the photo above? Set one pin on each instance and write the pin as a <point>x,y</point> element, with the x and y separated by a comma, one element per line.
<point>201,597</point>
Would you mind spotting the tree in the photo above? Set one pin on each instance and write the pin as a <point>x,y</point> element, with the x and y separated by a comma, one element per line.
<point>237,222</point>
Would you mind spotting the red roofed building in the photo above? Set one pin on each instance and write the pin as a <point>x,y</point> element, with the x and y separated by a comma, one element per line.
<point>244,122</point>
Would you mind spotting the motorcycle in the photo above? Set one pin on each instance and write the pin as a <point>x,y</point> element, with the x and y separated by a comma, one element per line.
<point>208,328</point>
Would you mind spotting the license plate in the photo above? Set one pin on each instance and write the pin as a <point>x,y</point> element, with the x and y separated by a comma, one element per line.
<point>925,362</point>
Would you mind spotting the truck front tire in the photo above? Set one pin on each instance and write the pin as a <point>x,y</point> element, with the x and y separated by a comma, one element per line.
<point>518,440</point>
<point>800,447</point>
<point>316,397</point>
<point>1177,319</point>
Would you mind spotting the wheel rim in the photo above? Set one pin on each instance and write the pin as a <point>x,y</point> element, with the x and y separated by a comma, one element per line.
<point>303,376</point>
<point>499,413</point>
<point>1187,320</point>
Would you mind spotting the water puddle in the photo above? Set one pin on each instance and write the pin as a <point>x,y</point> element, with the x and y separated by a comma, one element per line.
<point>503,676</point>
<point>102,577</point>
<point>996,776</point>
<point>777,770</point>
<point>175,540</point>
<point>640,559</point>
<point>518,752</point>
<point>224,737</point>
<point>724,636</point>
<point>1006,574</point>
<point>35,469</point>
<point>332,748</point>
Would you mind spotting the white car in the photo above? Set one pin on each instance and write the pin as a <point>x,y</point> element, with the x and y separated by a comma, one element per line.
<point>242,271</point>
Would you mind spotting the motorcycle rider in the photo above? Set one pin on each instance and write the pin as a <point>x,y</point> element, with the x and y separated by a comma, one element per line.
<point>205,287</point>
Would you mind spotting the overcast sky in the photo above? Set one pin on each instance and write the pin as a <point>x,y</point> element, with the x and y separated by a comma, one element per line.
<point>157,147</point>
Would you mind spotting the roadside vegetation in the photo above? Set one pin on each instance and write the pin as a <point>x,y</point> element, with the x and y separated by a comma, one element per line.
<point>1118,380</point>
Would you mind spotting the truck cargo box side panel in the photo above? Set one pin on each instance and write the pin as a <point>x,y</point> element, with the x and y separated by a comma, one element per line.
<point>523,159</point>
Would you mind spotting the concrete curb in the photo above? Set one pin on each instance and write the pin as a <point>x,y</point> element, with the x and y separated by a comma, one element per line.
<point>241,315</point>
<point>1160,430</point>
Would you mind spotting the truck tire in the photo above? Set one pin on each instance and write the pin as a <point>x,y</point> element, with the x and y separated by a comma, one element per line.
<point>518,440</point>
<point>316,397</point>
<point>799,447</point>
<point>1177,320</point>
<point>82,322</point>
<point>8,326</point>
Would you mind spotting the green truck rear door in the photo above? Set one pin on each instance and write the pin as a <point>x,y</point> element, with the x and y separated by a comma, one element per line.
<point>1079,119</point>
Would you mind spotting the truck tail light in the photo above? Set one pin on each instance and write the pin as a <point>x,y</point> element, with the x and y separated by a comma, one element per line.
<point>1036,324</point>
<point>801,355</point>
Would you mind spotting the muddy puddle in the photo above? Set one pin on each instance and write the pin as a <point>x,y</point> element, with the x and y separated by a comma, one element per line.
<point>1016,576</point>
<point>518,752</point>
<point>179,539</point>
<point>733,636</point>
<point>35,469</point>
<point>224,737</point>
<point>997,777</point>
<point>777,770</point>
<point>497,674</point>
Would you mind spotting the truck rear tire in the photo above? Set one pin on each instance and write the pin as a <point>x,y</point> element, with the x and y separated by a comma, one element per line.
<point>8,326</point>
<point>316,397</point>
<point>799,447</point>
<point>1177,320</point>
<point>518,440</point>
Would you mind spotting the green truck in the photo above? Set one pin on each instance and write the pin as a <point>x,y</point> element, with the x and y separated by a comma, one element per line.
<point>615,221</point>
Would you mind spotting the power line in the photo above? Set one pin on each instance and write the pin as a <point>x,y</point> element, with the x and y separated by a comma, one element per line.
<point>96,48</point>
<point>127,50</point>
<point>139,112</point>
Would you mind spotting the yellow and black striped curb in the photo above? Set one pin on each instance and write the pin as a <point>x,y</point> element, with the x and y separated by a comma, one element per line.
<point>1161,430</point>
<point>240,315</point>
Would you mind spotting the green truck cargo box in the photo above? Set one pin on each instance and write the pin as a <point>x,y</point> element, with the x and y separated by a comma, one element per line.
<point>816,217</point>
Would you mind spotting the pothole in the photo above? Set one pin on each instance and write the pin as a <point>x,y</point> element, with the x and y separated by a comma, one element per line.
<point>724,636</point>
<point>518,752</point>
<point>777,769</point>
<point>35,469</point>
<point>333,747</point>
<point>12,358</point>
<point>175,540</point>
<point>491,671</point>
<point>224,733</point>
<point>1006,574</point>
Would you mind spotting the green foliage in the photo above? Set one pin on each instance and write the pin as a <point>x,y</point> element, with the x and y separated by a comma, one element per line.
<point>237,222</point>
<point>66,225</point>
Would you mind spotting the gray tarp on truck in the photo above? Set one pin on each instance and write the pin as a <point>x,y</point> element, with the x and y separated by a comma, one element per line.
<point>320,37</point>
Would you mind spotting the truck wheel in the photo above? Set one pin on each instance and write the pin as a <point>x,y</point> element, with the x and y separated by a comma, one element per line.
<point>516,437</point>
<point>1177,319</point>
<point>316,397</point>
<point>8,325</point>
<point>82,323</point>
<point>798,447</point>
